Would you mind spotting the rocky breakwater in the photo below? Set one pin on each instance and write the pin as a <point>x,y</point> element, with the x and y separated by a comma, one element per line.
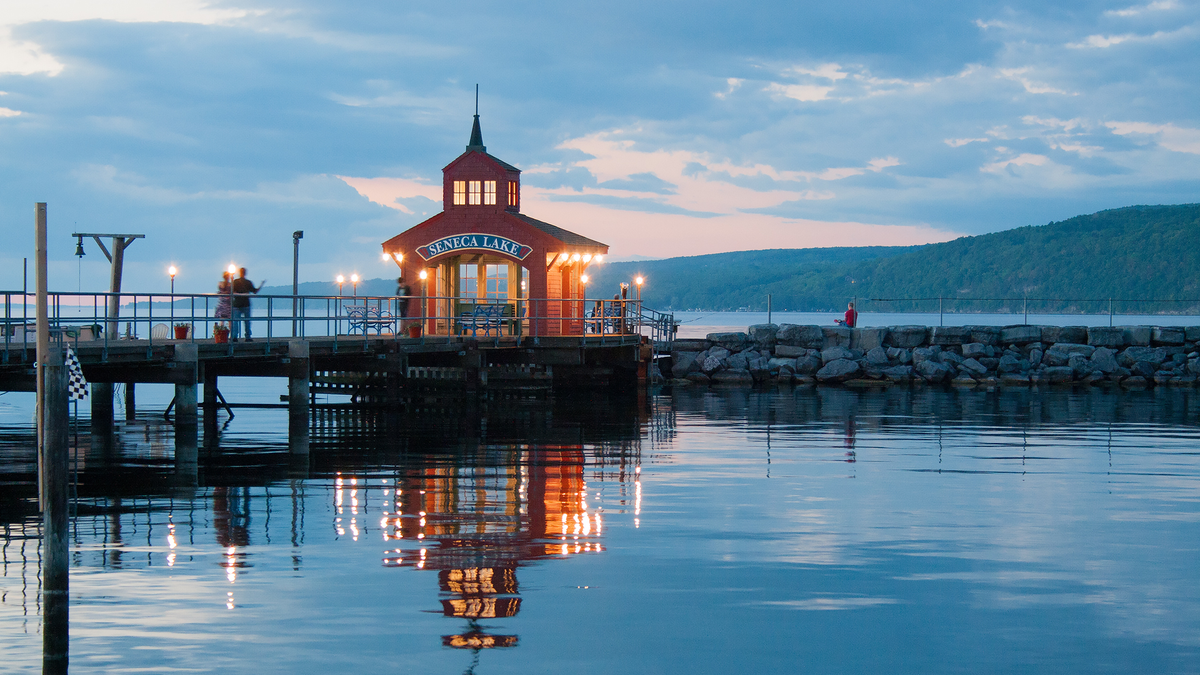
<point>1129,356</point>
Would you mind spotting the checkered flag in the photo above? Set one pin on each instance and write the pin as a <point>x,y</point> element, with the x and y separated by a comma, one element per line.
<point>77,387</point>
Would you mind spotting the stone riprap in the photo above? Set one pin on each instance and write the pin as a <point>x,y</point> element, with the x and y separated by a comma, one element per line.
<point>1130,356</point>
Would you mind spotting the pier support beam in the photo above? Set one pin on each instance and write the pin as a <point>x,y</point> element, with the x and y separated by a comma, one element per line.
<point>102,407</point>
<point>130,401</point>
<point>210,402</point>
<point>298,402</point>
<point>57,484</point>
<point>186,366</point>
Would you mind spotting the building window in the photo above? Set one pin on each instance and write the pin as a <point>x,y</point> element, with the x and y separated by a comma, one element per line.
<point>489,193</point>
<point>474,194</point>
<point>468,280</point>
<point>460,192</point>
<point>497,281</point>
<point>512,193</point>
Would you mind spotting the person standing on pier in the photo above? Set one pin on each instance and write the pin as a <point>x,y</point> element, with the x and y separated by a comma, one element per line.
<point>224,308</point>
<point>242,288</point>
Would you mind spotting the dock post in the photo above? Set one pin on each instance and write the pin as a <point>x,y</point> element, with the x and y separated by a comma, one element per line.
<point>298,399</point>
<point>210,401</point>
<point>56,480</point>
<point>186,362</point>
<point>102,407</point>
<point>130,401</point>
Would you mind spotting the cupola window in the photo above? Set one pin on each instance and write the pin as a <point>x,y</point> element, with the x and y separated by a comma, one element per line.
<point>489,193</point>
<point>460,192</point>
<point>512,193</point>
<point>475,194</point>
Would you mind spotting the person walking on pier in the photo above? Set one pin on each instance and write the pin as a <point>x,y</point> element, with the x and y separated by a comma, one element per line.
<point>242,288</point>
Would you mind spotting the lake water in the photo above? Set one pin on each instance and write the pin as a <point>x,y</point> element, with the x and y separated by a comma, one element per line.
<point>699,324</point>
<point>699,531</point>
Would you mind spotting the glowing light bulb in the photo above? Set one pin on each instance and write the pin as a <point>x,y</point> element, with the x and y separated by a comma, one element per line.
<point>172,271</point>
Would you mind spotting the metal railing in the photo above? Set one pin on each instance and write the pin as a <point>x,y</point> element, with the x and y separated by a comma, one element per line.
<point>154,317</point>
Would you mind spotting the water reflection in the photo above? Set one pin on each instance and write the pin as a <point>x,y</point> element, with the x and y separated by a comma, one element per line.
<point>463,524</point>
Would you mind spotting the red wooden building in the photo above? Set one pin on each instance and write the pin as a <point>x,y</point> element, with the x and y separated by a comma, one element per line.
<point>482,251</point>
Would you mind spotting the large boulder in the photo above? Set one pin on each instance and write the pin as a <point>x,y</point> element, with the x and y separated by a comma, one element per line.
<point>689,345</point>
<point>1020,335</point>
<point>714,361</point>
<point>1143,369</point>
<point>698,378</point>
<point>777,363</point>
<point>1106,336</point>
<point>838,370</point>
<point>733,377</point>
<point>877,356</point>
<point>807,365</point>
<point>1154,355</point>
<point>734,342</point>
<point>760,368</point>
<point>1080,365</point>
<point>867,338</point>
<point>809,337</point>
<point>1191,333</point>
<point>835,336</point>
<point>1073,334</point>
<point>907,337</point>
<point>1104,360</point>
<point>1138,336</point>
<point>737,362</point>
<point>1008,364</point>
<point>921,354</point>
<point>1059,354</point>
<point>898,373</point>
<point>763,335</point>
<point>683,363</point>
<point>988,335</point>
<point>1058,375</point>
<point>950,335</point>
<point>789,352</point>
<point>974,350</point>
<point>835,353</point>
<point>974,367</point>
<point>1168,335</point>
<point>933,371</point>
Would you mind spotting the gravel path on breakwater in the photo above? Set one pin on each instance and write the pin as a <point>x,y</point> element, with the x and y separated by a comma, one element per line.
<point>1128,356</point>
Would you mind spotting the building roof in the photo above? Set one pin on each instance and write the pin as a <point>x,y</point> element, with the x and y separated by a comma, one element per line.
<point>565,236</point>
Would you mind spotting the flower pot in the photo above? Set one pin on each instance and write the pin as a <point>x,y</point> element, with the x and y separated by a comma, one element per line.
<point>181,332</point>
<point>220,336</point>
<point>414,331</point>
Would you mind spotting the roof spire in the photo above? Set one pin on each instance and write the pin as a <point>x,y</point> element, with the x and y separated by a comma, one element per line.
<point>476,135</point>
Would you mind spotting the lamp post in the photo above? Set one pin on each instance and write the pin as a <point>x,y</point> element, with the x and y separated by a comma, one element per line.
<point>639,281</point>
<point>337,324</point>
<point>172,272</point>
<point>354,284</point>
<point>583,279</point>
<point>424,276</point>
<point>296,237</point>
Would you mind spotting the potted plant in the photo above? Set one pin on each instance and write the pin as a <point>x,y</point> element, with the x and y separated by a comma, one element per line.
<point>220,333</point>
<point>181,331</point>
<point>414,330</point>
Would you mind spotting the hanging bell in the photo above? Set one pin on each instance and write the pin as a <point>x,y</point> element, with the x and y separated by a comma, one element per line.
<point>79,248</point>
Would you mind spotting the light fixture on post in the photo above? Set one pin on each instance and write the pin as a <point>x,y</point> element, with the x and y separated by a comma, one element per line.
<point>354,284</point>
<point>296,237</point>
<point>172,272</point>
<point>639,281</point>
<point>340,280</point>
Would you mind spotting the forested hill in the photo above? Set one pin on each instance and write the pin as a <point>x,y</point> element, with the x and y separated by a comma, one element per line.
<point>1132,253</point>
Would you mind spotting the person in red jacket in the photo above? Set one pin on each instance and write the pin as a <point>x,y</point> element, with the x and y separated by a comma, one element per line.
<point>851,319</point>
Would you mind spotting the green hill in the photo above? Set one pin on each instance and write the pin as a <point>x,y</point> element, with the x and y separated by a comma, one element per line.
<point>1132,255</point>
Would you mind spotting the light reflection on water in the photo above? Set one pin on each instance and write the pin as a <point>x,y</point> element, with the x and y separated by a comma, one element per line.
<point>700,531</point>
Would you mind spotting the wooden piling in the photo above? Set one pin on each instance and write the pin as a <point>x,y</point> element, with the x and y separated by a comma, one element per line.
<point>298,397</point>
<point>56,481</point>
<point>130,401</point>
<point>102,407</point>
<point>186,366</point>
<point>43,338</point>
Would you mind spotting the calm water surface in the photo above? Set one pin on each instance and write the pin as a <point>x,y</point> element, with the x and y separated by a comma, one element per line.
<point>697,531</point>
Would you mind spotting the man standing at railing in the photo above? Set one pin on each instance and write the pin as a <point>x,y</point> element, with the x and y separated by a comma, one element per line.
<point>242,288</point>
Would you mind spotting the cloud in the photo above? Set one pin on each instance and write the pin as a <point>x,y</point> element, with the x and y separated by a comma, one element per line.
<point>1136,10</point>
<point>389,191</point>
<point>9,112</point>
<point>1024,159</point>
<point>23,57</point>
<point>1018,74</point>
<point>1169,136</point>
<point>959,142</point>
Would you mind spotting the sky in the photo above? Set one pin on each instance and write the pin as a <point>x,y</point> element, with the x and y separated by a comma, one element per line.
<point>661,129</point>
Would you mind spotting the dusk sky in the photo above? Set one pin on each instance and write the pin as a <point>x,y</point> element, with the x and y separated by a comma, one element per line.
<point>659,128</point>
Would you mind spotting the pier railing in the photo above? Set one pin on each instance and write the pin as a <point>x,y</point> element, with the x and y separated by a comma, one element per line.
<point>155,317</point>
